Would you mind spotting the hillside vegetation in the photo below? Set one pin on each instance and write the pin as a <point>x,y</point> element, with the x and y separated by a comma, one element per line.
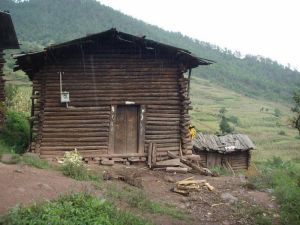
<point>267,123</point>
<point>42,22</point>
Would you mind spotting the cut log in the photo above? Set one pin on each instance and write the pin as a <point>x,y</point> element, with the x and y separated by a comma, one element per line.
<point>170,162</point>
<point>176,170</point>
<point>202,171</point>
<point>179,191</point>
<point>150,155</point>
<point>108,162</point>
<point>211,188</point>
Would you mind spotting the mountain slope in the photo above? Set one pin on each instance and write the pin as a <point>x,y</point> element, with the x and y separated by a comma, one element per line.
<point>41,22</point>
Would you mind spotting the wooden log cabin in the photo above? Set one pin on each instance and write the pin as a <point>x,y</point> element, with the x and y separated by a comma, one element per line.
<point>8,40</point>
<point>110,95</point>
<point>232,151</point>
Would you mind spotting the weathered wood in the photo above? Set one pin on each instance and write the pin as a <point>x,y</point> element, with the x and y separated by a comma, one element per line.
<point>176,170</point>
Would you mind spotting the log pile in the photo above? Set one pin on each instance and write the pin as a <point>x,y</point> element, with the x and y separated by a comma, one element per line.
<point>177,164</point>
<point>184,187</point>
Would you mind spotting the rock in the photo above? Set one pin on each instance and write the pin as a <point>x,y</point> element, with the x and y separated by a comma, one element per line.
<point>169,179</point>
<point>225,222</point>
<point>8,158</point>
<point>18,171</point>
<point>229,197</point>
<point>242,179</point>
<point>44,186</point>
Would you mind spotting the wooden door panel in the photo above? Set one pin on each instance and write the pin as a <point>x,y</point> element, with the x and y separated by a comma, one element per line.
<point>120,131</point>
<point>126,132</point>
<point>132,129</point>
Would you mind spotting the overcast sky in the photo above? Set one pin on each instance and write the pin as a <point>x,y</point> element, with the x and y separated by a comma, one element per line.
<point>270,28</point>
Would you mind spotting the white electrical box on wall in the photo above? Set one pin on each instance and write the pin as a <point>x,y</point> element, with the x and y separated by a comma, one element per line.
<point>64,97</point>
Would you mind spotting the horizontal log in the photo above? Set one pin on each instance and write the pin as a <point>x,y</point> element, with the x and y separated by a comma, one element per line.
<point>76,125</point>
<point>73,130</point>
<point>73,144</point>
<point>74,134</point>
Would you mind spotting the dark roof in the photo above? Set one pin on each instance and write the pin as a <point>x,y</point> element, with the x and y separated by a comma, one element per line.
<point>8,37</point>
<point>222,144</point>
<point>29,61</point>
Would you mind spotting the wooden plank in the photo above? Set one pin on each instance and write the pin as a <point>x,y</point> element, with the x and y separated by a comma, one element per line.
<point>142,123</point>
<point>112,129</point>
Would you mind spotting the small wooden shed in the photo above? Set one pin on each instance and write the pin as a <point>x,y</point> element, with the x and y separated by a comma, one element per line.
<point>232,151</point>
<point>8,40</point>
<point>110,95</point>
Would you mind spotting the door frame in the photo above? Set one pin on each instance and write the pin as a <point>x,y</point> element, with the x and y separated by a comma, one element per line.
<point>141,129</point>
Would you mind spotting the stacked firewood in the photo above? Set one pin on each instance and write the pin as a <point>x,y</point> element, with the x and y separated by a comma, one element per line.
<point>178,164</point>
<point>190,184</point>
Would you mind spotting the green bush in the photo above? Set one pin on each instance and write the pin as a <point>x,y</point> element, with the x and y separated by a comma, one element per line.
<point>16,131</point>
<point>224,126</point>
<point>75,209</point>
<point>234,119</point>
<point>283,177</point>
<point>77,172</point>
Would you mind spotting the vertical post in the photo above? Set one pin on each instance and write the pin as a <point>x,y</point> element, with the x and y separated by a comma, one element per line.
<point>189,83</point>
<point>141,141</point>
<point>111,141</point>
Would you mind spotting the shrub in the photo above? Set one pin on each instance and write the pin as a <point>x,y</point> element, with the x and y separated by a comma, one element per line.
<point>234,119</point>
<point>220,170</point>
<point>75,209</point>
<point>283,178</point>
<point>224,126</point>
<point>281,132</point>
<point>277,112</point>
<point>73,166</point>
<point>16,132</point>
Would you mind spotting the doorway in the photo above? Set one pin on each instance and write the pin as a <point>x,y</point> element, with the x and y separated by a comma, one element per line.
<point>126,129</point>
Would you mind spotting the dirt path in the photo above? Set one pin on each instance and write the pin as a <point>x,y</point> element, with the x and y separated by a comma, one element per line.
<point>25,184</point>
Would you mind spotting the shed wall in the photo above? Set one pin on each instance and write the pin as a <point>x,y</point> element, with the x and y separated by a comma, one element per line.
<point>237,160</point>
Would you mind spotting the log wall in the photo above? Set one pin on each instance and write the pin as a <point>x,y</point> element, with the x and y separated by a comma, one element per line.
<point>98,82</point>
<point>237,160</point>
<point>2,95</point>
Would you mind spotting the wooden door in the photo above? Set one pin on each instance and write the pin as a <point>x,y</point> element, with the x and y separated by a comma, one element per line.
<point>126,130</point>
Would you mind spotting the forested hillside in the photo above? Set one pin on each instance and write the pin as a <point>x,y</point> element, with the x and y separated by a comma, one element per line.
<point>41,22</point>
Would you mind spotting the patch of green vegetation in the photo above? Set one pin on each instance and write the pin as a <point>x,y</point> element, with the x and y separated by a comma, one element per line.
<point>283,177</point>
<point>32,160</point>
<point>254,117</point>
<point>35,161</point>
<point>253,214</point>
<point>16,131</point>
<point>138,199</point>
<point>73,166</point>
<point>75,209</point>
<point>220,170</point>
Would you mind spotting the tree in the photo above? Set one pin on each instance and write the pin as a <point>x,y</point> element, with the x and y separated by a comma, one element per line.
<point>222,111</point>
<point>225,127</point>
<point>296,110</point>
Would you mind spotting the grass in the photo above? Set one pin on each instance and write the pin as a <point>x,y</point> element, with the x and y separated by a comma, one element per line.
<point>283,178</point>
<point>253,214</point>
<point>136,198</point>
<point>271,133</point>
<point>31,160</point>
<point>74,209</point>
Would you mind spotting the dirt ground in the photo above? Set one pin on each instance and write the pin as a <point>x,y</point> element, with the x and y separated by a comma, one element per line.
<point>228,204</point>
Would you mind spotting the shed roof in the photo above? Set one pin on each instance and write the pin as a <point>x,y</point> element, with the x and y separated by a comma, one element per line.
<point>29,61</point>
<point>222,144</point>
<point>8,37</point>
